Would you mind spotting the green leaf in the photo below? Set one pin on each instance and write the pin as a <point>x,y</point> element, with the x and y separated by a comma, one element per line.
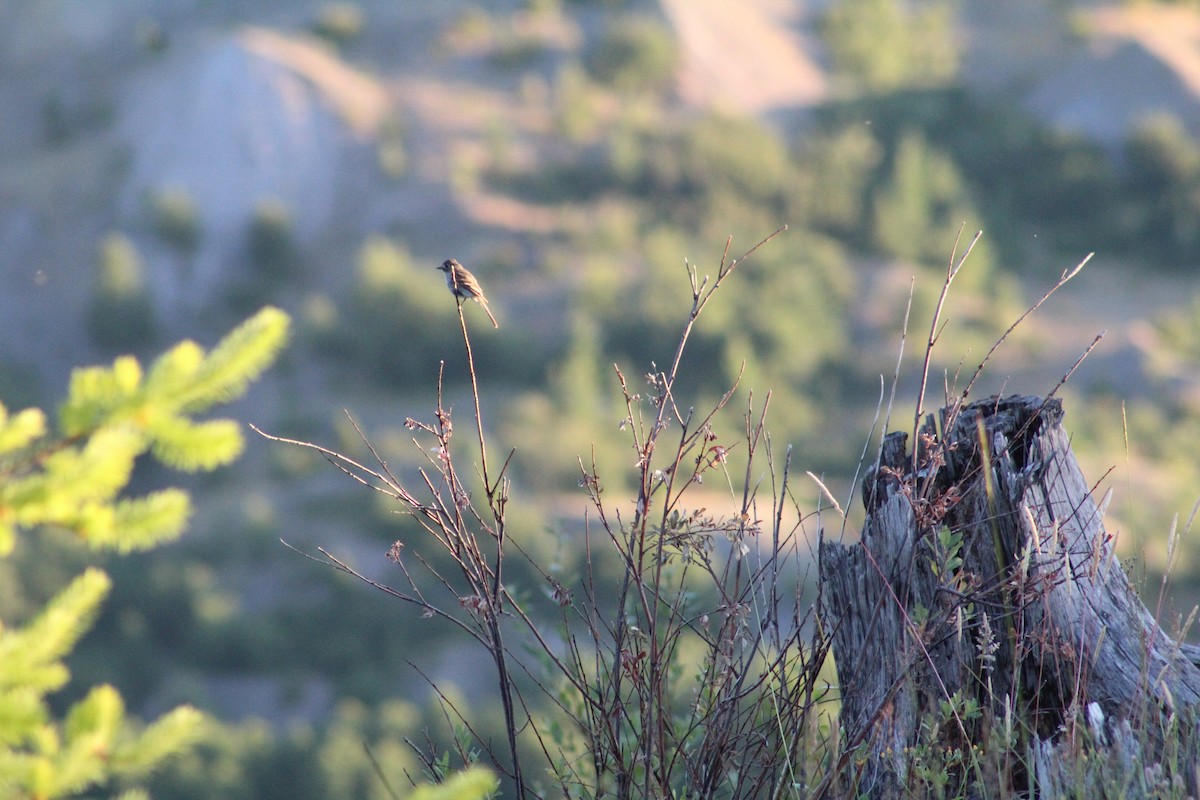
<point>134,794</point>
<point>29,657</point>
<point>173,374</point>
<point>474,783</point>
<point>96,472</point>
<point>18,431</point>
<point>96,719</point>
<point>111,416</point>
<point>192,446</point>
<point>238,359</point>
<point>21,711</point>
<point>143,522</point>
<point>168,735</point>
<point>97,394</point>
<point>182,380</point>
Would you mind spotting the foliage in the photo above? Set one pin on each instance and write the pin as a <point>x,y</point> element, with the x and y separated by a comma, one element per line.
<point>682,679</point>
<point>1155,498</point>
<point>635,54</point>
<point>121,312</point>
<point>272,247</point>
<point>399,323</point>
<point>1178,332</point>
<point>392,153</point>
<point>514,51</point>
<point>654,658</point>
<point>175,218</point>
<point>470,784</point>
<point>919,209</point>
<point>359,753</point>
<point>883,45</point>
<point>339,23</point>
<point>549,427</point>
<point>712,155</point>
<point>396,313</point>
<point>718,175</point>
<point>890,174</point>
<point>76,479</point>
<point>1162,189</point>
<point>835,171</point>
<point>1010,174</point>
<point>574,103</point>
<point>273,258</point>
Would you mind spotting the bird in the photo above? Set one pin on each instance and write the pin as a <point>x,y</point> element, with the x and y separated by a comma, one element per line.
<point>463,284</point>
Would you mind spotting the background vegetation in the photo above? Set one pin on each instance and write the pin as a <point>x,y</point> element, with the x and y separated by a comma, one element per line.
<point>614,182</point>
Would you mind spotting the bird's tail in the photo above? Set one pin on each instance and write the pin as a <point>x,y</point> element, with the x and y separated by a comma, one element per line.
<point>484,303</point>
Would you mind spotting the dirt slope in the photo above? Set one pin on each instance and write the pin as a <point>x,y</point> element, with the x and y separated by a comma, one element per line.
<point>748,57</point>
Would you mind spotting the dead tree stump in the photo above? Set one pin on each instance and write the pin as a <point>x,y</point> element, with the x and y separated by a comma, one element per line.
<point>984,576</point>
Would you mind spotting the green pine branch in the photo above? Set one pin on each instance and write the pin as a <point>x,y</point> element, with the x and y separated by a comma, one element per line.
<point>238,359</point>
<point>30,657</point>
<point>144,522</point>
<point>95,744</point>
<point>139,754</point>
<point>113,415</point>
<point>473,783</point>
<point>16,432</point>
<point>76,480</point>
<point>183,381</point>
<point>193,446</point>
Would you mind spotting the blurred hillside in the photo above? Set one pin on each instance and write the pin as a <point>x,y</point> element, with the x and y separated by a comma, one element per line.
<point>171,165</point>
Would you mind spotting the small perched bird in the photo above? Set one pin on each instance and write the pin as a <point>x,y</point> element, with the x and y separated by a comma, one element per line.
<point>463,284</point>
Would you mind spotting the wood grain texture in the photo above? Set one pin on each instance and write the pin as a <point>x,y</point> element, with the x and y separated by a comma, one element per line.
<point>984,573</point>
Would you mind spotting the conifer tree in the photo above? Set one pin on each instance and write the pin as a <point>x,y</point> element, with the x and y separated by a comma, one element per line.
<point>75,476</point>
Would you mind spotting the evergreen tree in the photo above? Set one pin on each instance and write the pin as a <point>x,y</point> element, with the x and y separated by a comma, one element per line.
<point>1163,188</point>
<point>75,477</point>
<point>919,210</point>
<point>881,45</point>
<point>120,312</point>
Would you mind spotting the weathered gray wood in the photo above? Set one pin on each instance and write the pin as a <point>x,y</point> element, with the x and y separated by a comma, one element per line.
<point>1036,623</point>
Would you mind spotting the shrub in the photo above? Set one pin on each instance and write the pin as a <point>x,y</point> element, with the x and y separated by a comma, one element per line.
<point>658,663</point>
<point>339,23</point>
<point>121,312</point>
<point>635,54</point>
<point>175,218</point>
<point>271,243</point>
<point>882,45</point>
